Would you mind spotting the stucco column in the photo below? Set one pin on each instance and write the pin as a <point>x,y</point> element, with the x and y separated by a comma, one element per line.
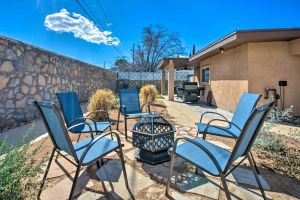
<point>163,82</point>
<point>171,81</point>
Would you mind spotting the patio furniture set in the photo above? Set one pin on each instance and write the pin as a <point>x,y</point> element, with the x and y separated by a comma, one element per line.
<point>153,135</point>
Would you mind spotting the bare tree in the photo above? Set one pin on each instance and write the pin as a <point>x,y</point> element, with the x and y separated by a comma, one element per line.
<point>157,43</point>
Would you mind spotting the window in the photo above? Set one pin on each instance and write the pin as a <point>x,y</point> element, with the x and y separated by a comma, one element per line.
<point>205,75</point>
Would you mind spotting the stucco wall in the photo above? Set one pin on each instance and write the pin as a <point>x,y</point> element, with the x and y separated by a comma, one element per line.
<point>252,68</point>
<point>28,72</point>
<point>270,62</point>
<point>228,77</point>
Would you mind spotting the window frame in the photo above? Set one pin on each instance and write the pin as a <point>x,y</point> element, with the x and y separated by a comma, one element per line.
<point>203,69</point>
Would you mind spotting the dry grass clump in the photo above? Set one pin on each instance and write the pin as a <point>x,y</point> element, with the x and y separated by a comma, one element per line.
<point>102,99</point>
<point>148,94</point>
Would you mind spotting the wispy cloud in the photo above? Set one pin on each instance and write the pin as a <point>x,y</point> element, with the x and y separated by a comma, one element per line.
<point>80,26</point>
<point>108,24</point>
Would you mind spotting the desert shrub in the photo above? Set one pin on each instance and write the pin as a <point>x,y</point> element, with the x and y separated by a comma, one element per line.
<point>280,153</point>
<point>102,99</point>
<point>148,94</point>
<point>19,170</point>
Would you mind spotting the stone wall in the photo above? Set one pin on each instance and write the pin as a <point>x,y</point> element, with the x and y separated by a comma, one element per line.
<point>28,73</point>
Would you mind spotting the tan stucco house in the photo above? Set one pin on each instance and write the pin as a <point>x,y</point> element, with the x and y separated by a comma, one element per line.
<point>250,61</point>
<point>245,61</point>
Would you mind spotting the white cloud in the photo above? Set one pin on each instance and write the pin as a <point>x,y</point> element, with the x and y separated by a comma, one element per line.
<point>108,24</point>
<point>80,26</point>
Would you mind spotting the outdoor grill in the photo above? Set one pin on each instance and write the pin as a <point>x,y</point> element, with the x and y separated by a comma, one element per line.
<point>153,135</point>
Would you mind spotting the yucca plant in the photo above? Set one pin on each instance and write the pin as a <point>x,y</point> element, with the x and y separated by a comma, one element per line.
<point>102,99</point>
<point>148,94</point>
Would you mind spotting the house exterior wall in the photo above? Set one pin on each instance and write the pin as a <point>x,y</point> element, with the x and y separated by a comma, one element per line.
<point>228,77</point>
<point>253,67</point>
<point>269,62</point>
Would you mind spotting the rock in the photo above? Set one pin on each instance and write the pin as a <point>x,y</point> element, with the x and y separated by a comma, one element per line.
<point>10,104</point>
<point>19,96</point>
<point>21,103</point>
<point>2,47</point>
<point>14,82</point>
<point>3,82</point>
<point>7,66</point>
<point>41,80</point>
<point>28,80</point>
<point>37,97</point>
<point>38,61</point>
<point>10,54</point>
<point>25,89</point>
<point>18,52</point>
<point>32,90</point>
<point>47,95</point>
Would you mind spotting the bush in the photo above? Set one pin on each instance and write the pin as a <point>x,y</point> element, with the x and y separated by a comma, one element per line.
<point>102,99</point>
<point>148,94</point>
<point>280,152</point>
<point>19,170</point>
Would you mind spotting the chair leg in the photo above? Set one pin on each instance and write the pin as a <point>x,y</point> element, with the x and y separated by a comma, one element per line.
<point>203,136</point>
<point>74,182</point>
<point>125,120</point>
<point>123,166</point>
<point>225,187</point>
<point>170,172</point>
<point>256,177</point>
<point>78,138</point>
<point>98,164</point>
<point>46,173</point>
<point>256,168</point>
<point>118,120</point>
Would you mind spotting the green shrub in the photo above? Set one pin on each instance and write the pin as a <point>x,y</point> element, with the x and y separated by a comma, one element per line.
<point>19,170</point>
<point>148,94</point>
<point>102,99</point>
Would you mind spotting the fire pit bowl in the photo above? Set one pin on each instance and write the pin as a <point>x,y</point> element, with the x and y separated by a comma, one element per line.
<point>153,135</point>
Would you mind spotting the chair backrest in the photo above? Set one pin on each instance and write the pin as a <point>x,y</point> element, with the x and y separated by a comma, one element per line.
<point>129,97</point>
<point>71,109</point>
<point>55,126</point>
<point>250,131</point>
<point>244,109</point>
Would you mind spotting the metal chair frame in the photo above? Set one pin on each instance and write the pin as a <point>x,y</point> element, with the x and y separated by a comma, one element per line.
<point>123,111</point>
<point>86,117</point>
<point>228,169</point>
<point>78,162</point>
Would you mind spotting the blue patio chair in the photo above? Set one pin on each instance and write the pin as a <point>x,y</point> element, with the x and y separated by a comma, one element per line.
<point>243,110</point>
<point>218,161</point>
<point>130,106</point>
<point>73,114</point>
<point>83,153</point>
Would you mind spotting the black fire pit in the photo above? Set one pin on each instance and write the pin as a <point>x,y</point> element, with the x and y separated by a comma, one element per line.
<point>153,135</point>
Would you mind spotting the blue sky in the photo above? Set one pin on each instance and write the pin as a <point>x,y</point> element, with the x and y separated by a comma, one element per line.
<point>53,25</point>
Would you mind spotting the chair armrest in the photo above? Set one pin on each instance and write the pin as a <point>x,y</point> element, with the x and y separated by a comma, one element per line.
<point>209,112</point>
<point>96,140</point>
<point>91,130</point>
<point>98,111</point>
<point>84,119</point>
<point>218,127</point>
<point>210,155</point>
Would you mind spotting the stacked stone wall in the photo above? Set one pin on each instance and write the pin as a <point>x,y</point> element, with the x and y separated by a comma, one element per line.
<point>28,73</point>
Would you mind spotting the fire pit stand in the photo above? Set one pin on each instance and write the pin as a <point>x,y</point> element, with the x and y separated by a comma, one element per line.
<point>153,135</point>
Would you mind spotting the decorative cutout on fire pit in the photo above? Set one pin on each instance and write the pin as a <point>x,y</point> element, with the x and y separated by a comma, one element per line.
<point>153,135</point>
